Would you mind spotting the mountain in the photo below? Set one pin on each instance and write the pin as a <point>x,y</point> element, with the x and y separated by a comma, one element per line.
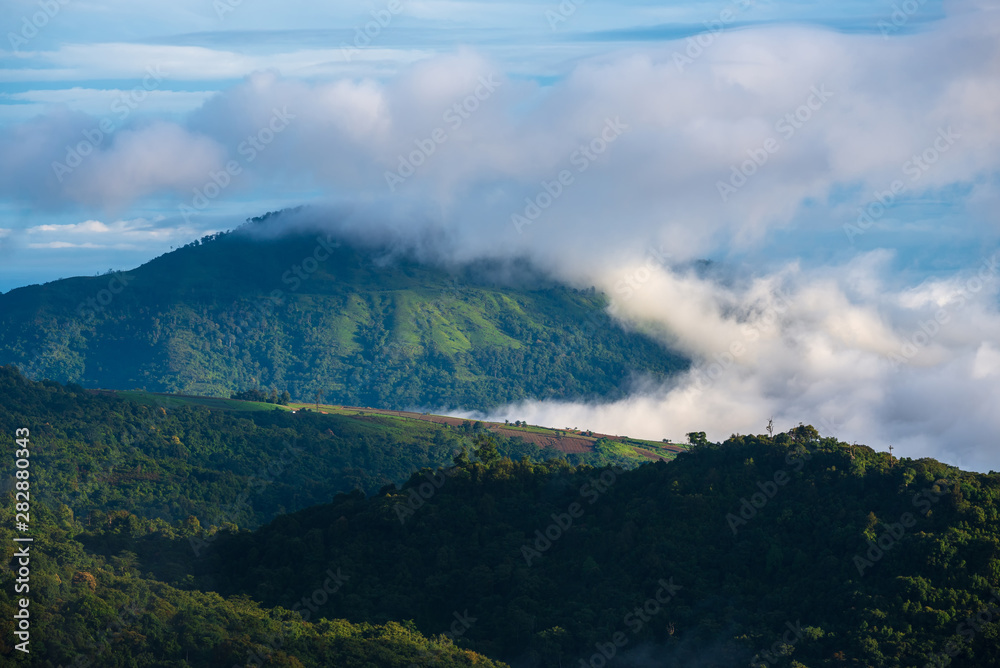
<point>181,531</point>
<point>173,460</point>
<point>147,469</point>
<point>791,550</point>
<point>308,313</point>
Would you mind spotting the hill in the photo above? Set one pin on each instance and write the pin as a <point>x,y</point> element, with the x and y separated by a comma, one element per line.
<point>151,467</point>
<point>792,550</point>
<point>785,550</point>
<point>308,314</point>
<point>222,462</point>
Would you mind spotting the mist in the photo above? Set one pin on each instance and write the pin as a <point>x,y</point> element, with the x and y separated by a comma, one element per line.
<point>842,186</point>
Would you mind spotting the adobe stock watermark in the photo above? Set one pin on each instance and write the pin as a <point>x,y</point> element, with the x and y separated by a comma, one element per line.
<point>249,148</point>
<point>255,485</point>
<point>967,630</point>
<point>785,126</point>
<point>458,628</point>
<point>322,594</point>
<point>454,116</point>
<point>223,7</point>
<point>635,621</point>
<point>366,34</point>
<point>420,494</point>
<point>915,167</point>
<point>581,158</point>
<point>893,533</point>
<point>128,615</point>
<point>293,277</point>
<point>930,328</point>
<point>697,44</point>
<point>723,361</point>
<point>273,644</point>
<point>562,12</point>
<point>901,14</point>
<point>413,320</point>
<point>131,436</point>
<point>795,459</point>
<point>90,307</point>
<point>779,648</point>
<point>563,522</point>
<point>30,27</point>
<point>86,311</point>
<point>634,281</point>
<point>123,105</point>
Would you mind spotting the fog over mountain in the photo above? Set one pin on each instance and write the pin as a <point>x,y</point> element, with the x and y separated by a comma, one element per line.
<point>840,178</point>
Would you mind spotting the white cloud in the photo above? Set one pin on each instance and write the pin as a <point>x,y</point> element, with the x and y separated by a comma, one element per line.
<point>93,227</point>
<point>129,234</point>
<point>65,244</point>
<point>816,339</point>
<point>795,346</point>
<point>689,127</point>
<point>98,102</point>
<point>128,61</point>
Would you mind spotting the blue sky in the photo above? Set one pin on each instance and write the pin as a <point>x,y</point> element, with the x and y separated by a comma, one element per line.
<point>86,57</point>
<point>841,158</point>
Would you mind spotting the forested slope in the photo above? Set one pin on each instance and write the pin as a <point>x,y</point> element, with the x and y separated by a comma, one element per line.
<point>791,550</point>
<point>305,313</point>
<point>851,558</point>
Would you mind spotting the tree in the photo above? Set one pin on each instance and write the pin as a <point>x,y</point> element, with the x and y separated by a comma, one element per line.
<point>697,438</point>
<point>486,449</point>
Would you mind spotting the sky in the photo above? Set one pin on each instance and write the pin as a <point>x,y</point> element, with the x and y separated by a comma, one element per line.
<point>799,196</point>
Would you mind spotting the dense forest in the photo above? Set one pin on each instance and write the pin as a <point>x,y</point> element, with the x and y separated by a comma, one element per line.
<point>790,550</point>
<point>307,314</point>
<point>103,466</point>
<point>166,461</point>
<point>783,550</point>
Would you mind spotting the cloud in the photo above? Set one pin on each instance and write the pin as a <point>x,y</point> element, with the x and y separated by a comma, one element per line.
<point>97,102</point>
<point>120,234</point>
<point>804,346</point>
<point>697,128</point>
<point>790,155</point>
<point>128,61</point>
<point>847,345</point>
<point>64,244</point>
<point>68,158</point>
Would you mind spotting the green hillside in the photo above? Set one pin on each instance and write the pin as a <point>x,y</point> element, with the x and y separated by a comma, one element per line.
<point>105,469</point>
<point>87,610</point>
<point>792,550</point>
<point>174,460</point>
<point>234,312</point>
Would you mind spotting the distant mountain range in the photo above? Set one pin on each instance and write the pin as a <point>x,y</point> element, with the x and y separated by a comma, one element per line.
<point>309,313</point>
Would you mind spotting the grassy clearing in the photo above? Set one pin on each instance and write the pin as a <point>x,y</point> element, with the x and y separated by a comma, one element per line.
<point>175,400</point>
<point>623,445</point>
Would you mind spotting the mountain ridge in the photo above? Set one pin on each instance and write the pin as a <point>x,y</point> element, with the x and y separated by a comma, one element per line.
<point>307,312</point>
